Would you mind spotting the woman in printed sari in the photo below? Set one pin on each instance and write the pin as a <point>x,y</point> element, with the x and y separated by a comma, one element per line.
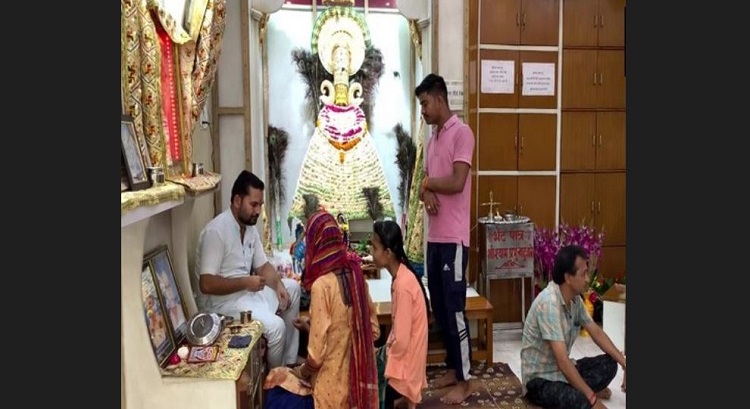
<point>343,325</point>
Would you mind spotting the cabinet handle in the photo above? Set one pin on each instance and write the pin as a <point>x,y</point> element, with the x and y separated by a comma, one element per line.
<point>596,17</point>
<point>524,21</point>
<point>518,19</point>
<point>515,140</point>
<point>601,20</point>
<point>521,211</point>
<point>592,207</point>
<point>593,143</point>
<point>600,140</point>
<point>522,138</point>
<point>601,78</point>
<point>598,207</point>
<point>594,78</point>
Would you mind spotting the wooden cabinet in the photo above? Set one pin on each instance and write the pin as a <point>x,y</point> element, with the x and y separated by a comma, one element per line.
<point>593,79</point>
<point>516,99</point>
<point>519,22</point>
<point>532,196</point>
<point>592,141</point>
<point>612,262</point>
<point>593,23</point>
<point>517,141</point>
<point>597,199</point>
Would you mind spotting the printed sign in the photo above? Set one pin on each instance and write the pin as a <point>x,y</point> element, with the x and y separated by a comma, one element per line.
<point>510,250</point>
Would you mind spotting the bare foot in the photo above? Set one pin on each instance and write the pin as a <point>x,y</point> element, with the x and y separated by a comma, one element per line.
<point>449,379</point>
<point>457,394</point>
<point>605,394</point>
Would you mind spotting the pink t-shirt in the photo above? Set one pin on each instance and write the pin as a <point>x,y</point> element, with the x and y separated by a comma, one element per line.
<point>453,143</point>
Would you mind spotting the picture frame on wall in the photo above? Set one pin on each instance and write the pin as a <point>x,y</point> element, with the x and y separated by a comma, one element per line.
<point>176,312</point>
<point>131,151</point>
<point>156,318</point>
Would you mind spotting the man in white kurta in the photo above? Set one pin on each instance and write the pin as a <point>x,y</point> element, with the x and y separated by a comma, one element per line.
<point>235,274</point>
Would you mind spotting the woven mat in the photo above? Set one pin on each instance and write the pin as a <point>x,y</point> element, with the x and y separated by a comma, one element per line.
<point>493,386</point>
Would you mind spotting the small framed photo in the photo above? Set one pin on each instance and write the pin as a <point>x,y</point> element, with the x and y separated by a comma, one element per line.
<point>176,311</point>
<point>131,151</point>
<point>156,318</point>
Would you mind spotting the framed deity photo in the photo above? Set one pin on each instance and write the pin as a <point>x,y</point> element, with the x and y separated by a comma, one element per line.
<point>131,151</point>
<point>175,310</point>
<point>156,319</point>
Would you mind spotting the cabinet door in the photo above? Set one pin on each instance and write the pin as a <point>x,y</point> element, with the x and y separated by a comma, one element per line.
<point>500,22</point>
<point>612,262</point>
<point>611,69</point>
<point>540,22</point>
<point>504,190</point>
<point>577,198</point>
<point>536,145</point>
<point>536,199</point>
<point>580,79</point>
<point>611,23</point>
<point>538,101</point>
<point>610,151</point>
<point>578,141</point>
<point>499,100</point>
<point>580,23</point>
<point>610,207</point>
<point>498,141</point>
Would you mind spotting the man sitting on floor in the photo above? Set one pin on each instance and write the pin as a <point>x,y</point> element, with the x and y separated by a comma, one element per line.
<point>553,379</point>
<point>235,274</point>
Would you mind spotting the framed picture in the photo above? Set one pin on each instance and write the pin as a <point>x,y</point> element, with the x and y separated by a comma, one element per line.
<point>124,182</point>
<point>131,151</point>
<point>156,319</point>
<point>161,264</point>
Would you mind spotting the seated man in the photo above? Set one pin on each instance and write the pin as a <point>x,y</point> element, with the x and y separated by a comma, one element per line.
<point>553,379</point>
<point>235,274</point>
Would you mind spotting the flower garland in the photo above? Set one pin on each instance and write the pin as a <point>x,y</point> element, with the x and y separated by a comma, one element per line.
<point>343,127</point>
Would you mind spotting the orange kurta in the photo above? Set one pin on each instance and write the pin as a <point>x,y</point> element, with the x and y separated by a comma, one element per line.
<point>330,342</point>
<point>406,363</point>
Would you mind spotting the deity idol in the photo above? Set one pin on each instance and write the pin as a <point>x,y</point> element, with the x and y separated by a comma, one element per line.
<point>341,158</point>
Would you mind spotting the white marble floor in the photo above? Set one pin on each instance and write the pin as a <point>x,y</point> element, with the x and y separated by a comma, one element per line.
<point>507,348</point>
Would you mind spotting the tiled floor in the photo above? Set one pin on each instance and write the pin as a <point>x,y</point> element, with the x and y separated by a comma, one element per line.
<point>507,349</point>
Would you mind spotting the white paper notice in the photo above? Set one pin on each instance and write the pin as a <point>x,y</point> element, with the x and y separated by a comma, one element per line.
<point>538,78</point>
<point>455,94</point>
<point>497,77</point>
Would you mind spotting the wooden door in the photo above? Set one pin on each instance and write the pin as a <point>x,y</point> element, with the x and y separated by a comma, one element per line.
<point>611,69</point>
<point>612,263</point>
<point>580,23</point>
<point>500,22</point>
<point>610,207</point>
<point>536,199</point>
<point>578,198</point>
<point>537,134</point>
<point>610,149</point>
<point>611,23</point>
<point>498,141</point>
<point>540,22</point>
<point>578,141</point>
<point>499,100</point>
<point>580,79</point>
<point>537,101</point>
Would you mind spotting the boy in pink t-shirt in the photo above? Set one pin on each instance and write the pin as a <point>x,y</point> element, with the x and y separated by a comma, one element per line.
<point>446,190</point>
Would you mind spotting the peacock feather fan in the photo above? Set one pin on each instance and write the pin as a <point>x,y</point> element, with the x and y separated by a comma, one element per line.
<point>406,156</point>
<point>374,207</point>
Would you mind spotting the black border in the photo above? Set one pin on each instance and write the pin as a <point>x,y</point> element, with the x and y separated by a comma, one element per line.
<point>684,249</point>
<point>62,267</point>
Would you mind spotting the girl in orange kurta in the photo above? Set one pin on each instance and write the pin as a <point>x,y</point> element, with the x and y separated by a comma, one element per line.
<point>343,323</point>
<point>406,348</point>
